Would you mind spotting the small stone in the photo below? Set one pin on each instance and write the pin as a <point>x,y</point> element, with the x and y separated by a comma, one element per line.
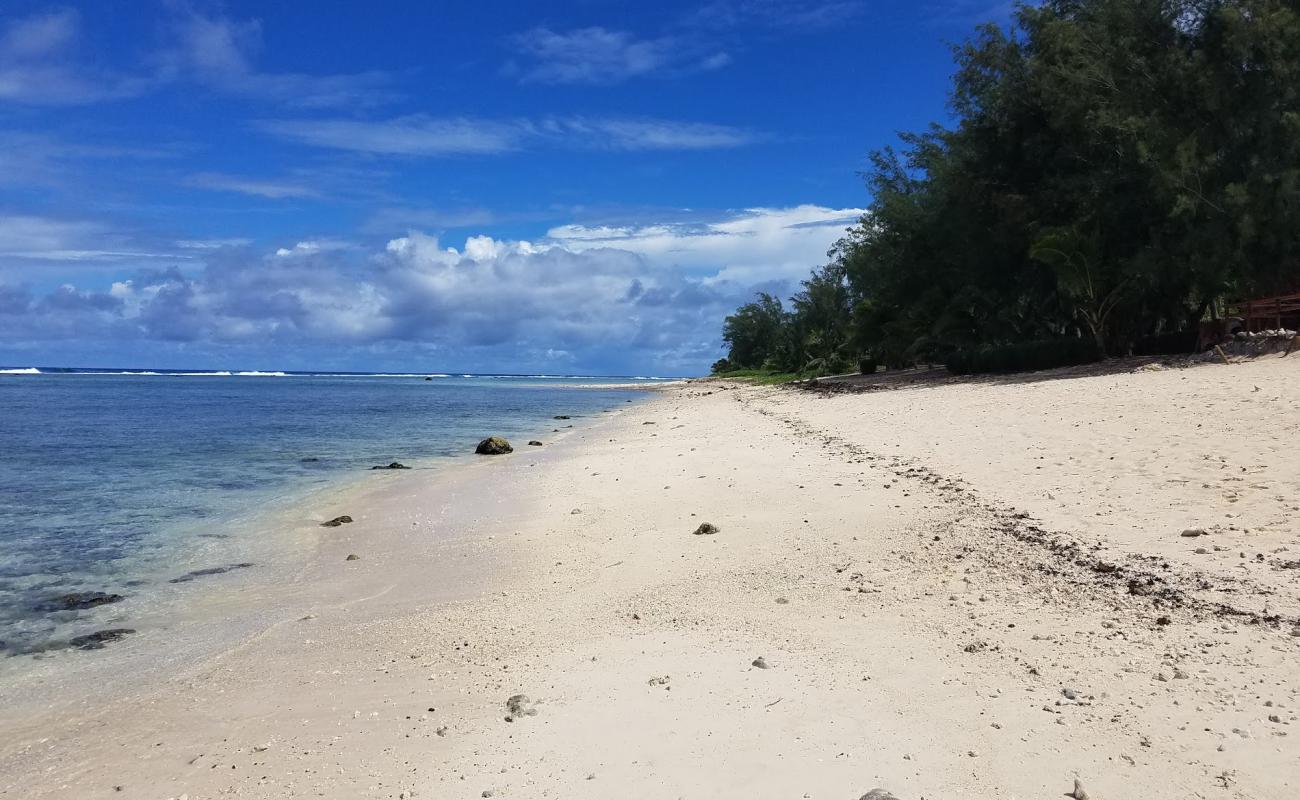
<point>706,529</point>
<point>1194,532</point>
<point>520,706</point>
<point>534,443</point>
<point>337,521</point>
<point>97,640</point>
<point>393,465</point>
<point>1163,620</point>
<point>781,601</point>
<point>442,731</point>
<point>488,793</point>
<point>1077,792</point>
<point>352,557</point>
<point>877,794</point>
<point>761,663</point>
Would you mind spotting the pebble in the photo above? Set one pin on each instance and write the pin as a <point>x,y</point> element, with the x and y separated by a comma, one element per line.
<point>761,663</point>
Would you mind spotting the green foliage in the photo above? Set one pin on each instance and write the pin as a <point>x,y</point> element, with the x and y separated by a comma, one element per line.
<point>1115,169</point>
<point>1024,356</point>
<point>760,376</point>
<point>720,366</point>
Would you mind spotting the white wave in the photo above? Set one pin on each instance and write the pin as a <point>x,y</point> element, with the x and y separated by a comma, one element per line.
<point>25,371</point>
<point>221,374</point>
<point>256,374</point>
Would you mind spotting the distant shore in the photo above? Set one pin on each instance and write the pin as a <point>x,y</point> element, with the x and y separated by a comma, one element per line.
<point>970,589</point>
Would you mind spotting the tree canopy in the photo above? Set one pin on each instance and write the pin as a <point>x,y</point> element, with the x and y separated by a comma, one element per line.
<point>1113,169</point>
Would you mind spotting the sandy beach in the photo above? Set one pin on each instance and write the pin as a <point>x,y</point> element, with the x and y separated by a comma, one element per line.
<point>986,589</point>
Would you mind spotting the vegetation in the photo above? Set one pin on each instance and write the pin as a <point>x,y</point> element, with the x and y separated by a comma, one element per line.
<point>1114,171</point>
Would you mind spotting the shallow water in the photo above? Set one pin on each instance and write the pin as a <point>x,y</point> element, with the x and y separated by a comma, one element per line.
<point>122,483</point>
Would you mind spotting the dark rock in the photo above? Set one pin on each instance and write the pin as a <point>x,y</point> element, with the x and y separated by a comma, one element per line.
<point>310,460</point>
<point>520,706</point>
<point>877,794</point>
<point>96,640</point>
<point>337,521</point>
<point>1192,533</point>
<point>562,416</point>
<point>761,663</point>
<point>78,601</point>
<point>1163,621</point>
<point>352,557</point>
<point>706,529</point>
<point>428,379</point>
<point>534,443</point>
<point>203,573</point>
<point>394,465</point>
<point>493,446</point>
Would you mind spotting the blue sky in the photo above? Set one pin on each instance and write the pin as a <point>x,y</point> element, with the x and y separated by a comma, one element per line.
<point>583,187</point>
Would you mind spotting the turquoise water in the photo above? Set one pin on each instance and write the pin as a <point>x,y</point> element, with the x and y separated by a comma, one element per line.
<point>119,483</point>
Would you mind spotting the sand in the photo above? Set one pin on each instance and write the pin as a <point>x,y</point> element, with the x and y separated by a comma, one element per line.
<point>974,590</point>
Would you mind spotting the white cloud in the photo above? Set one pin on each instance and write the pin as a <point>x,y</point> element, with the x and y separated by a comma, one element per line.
<point>597,55</point>
<point>421,135</point>
<point>38,65</point>
<point>590,296</point>
<point>749,247</point>
<point>219,52</point>
<point>416,135</point>
<point>43,239</point>
<point>275,190</point>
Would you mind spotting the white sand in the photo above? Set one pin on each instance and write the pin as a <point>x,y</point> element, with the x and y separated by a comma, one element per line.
<point>925,641</point>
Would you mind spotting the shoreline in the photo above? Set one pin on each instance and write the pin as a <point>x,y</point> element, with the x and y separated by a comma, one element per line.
<point>214,613</point>
<point>917,623</point>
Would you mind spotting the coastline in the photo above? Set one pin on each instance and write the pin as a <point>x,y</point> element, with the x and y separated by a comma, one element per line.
<point>919,633</point>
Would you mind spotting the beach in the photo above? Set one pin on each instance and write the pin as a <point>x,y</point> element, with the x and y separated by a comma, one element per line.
<point>981,589</point>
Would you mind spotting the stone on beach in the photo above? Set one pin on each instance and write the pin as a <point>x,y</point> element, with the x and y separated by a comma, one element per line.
<point>394,465</point>
<point>352,557</point>
<point>97,640</point>
<point>877,794</point>
<point>534,443</point>
<point>706,529</point>
<point>520,706</point>
<point>337,521</point>
<point>78,601</point>
<point>493,446</point>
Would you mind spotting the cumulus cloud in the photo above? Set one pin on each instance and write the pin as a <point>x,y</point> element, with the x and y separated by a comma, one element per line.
<point>422,135</point>
<point>586,296</point>
<point>598,55</point>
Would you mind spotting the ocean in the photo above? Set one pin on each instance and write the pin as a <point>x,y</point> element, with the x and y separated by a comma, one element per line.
<point>126,481</point>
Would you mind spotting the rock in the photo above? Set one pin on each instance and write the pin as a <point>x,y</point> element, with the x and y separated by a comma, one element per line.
<point>1163,620</point>
<point>534,443</point>
<point>96,640</point>
<point>203,573</point>
<point>782,601</point>
<point>576,511</point>
<point>442,731</point>
<point>394,465</point>
<point>337,521</point>
<point>661,681</point>
<point>1077,792</point>
<point>520,706</point>
<point>706,529</point>
<point>78,601</point>
<point>1194,532</point>
<point>493,446</point>
<point>761,663</point>
<point>877,794</point>
<point>487,793</point>
<point>427,378</point>
<point>352,557</point>
<point>562,416</point>
<point>310,460</point>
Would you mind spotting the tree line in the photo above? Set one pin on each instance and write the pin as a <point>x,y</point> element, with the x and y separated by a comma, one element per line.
<point>1113,171</point>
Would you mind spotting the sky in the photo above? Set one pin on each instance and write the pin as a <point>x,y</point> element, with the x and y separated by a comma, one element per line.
<point>569,188</point>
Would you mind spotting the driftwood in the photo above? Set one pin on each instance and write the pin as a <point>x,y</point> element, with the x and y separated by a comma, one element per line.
<point>1222,355</point>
